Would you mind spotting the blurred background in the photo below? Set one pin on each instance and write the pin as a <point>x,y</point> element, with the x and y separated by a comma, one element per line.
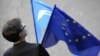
<point>86,12</point>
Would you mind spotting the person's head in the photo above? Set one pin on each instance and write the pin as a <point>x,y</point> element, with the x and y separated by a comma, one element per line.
<point>13,30</point>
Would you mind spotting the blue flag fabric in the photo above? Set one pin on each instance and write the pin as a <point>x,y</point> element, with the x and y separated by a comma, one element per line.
<point>79,41</point>
<point>41,15</point>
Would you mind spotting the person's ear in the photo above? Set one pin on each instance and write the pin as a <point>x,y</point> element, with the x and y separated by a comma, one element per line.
<point>23,33</point>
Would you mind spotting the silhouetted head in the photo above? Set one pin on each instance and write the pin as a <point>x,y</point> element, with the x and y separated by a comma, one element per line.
<point>14,31</point>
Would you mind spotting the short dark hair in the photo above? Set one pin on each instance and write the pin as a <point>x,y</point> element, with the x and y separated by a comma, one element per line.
<point>12,29</point>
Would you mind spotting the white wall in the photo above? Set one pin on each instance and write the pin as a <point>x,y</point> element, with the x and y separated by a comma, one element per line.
<point>86,12</point>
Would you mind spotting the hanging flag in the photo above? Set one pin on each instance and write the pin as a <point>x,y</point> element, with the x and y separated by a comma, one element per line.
<point>79,41</point>
<point>41,16</point>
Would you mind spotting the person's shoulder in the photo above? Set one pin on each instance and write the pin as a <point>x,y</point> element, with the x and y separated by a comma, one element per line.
<point>33,45</point>
<point>8,52</point>
<point>36,45</point>
<point>42,51</point>
<point>37,48</point>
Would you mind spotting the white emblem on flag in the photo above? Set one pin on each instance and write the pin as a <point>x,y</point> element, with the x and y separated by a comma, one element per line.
<point>42,13</point>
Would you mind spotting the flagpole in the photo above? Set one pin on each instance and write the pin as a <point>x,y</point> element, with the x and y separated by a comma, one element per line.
<point>34,20</point>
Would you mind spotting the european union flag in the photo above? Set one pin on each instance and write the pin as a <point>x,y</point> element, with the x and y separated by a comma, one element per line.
<point>41,15</point>
<point>79,41</point>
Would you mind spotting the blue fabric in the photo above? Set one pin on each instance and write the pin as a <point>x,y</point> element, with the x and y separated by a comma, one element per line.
<point>62,27</point>
<point>41,16</point>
